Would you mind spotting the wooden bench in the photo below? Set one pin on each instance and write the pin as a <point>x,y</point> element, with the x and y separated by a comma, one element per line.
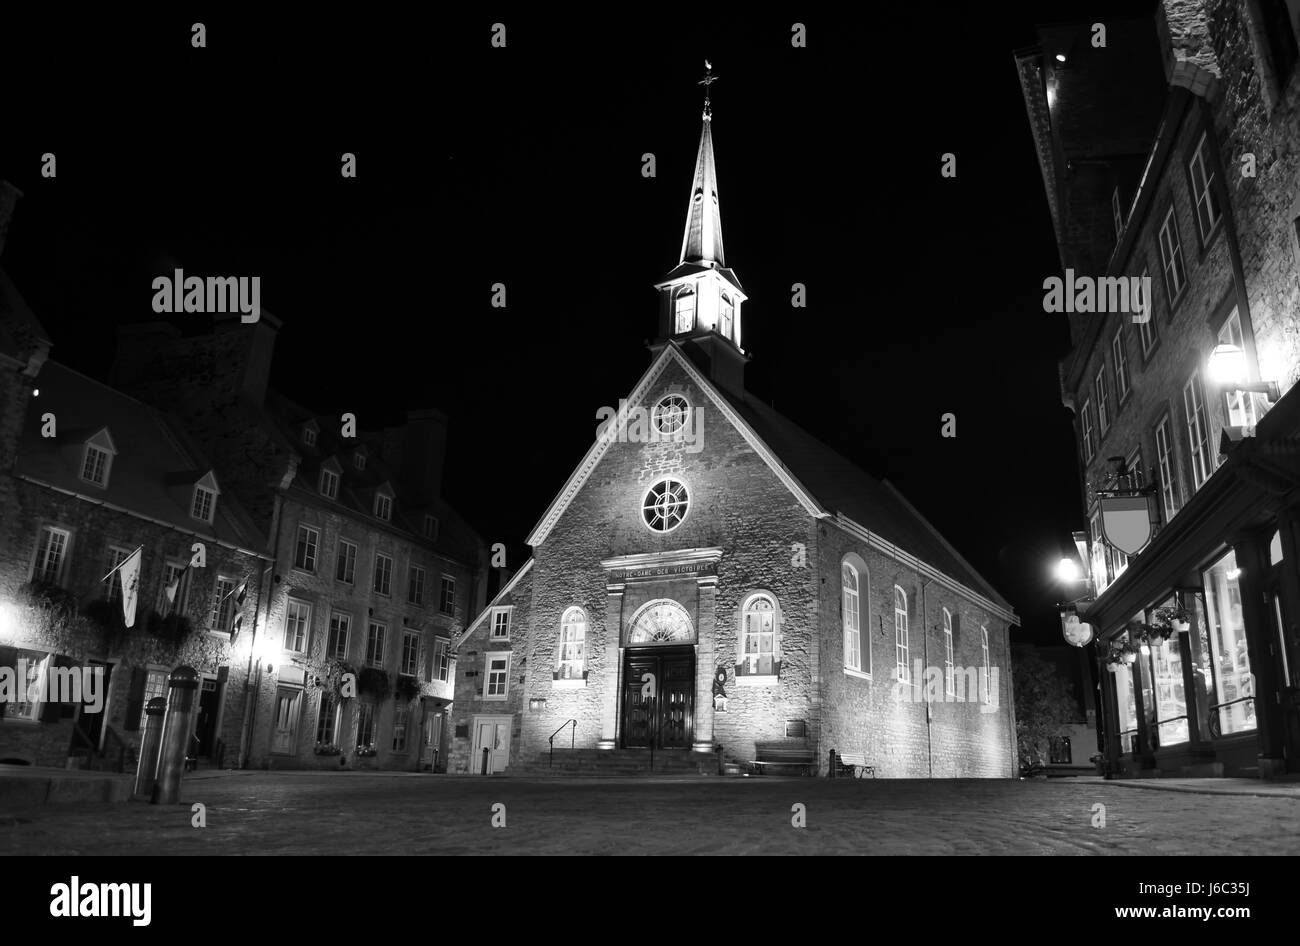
<point>851,765</point>
<point>788,754</point>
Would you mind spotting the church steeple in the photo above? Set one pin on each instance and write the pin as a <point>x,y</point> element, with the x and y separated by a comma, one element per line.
<point>700,300</point>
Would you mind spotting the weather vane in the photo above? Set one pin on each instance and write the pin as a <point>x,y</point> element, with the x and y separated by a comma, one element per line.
<point>708,80</point>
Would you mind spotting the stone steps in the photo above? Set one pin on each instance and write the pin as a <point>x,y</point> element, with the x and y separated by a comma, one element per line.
<point>617,763</point>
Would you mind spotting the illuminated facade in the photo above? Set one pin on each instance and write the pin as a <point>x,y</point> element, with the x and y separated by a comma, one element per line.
<point>722,581</point>
<point>1194,181</point>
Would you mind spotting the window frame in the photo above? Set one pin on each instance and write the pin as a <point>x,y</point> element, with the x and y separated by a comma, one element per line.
<point>386,587</point>
<point>1148,331</point>
<point>1167,466</point>
<point>340,626</point>
<point>104,471</point>
<point>1206,193</point>
<point>1103,408</point>
<point>1119,360</point>
<point>383,507</point>
<point>40,559</point>
<point>441,669</point>
<point>349,562</point>
<point>852,630</point>
<point>301,605</point>
<point>431,527</point>
<point>577,666</point>
<point>201,491</point>
<point>300,560</point>
<point>376,643</point>
<point>949,664</point>
<point>1085,430</point>
<point>495,622</point>
<point>1171,256</point>
<point>410,654</point>
<point>1196,422</point>
<point>747,608</point>
<point>903,672</point>
<point>488,672</point>
<point>447,596</point>
<point>988,666</point>
<point>116,555</point>
<point>216,623</point>
<point>333,478</point>
<point>415,575</point>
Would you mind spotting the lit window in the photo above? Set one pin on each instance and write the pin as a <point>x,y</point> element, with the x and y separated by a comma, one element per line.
<point>852,612</point>
<point>1234,686</point>
<point>949,683</point>
<point>1165,468</point>
<point>95,468</point>
<point>410,653</point>
<point>758,637</point>
<point>441,660</point>
<point>1201,171</point>
<point>383,573</point>
<point>1120,358</point>
<point>447,596</point>
<point>375,644</point>
<point>665,505</point>
<point>1103,402</point>
<point>345,563</point>
<point>223,605</point>
<point>415,585</point>
<point>304,552</point>
<point>1085,420</point>
<point>1171,257</point>
<point>685,312</point>
<point>1147,330</point>
<point>203,502</point>
<point>399,729</point>
<point>383,507</point>
<point>573,643</point>
<point>50,555</point>
<point>670,414</point>
<point>329,484</point>
<point>340,631</point>
<point>297,624</point>
<point>501,624</point>
<point>113,583</point>
<point>900,633</point>
<point>497,684</point>
<point>1241,405</point>
<point>1198,436</point>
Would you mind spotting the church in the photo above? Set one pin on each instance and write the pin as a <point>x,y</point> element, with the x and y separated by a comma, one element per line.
<point>712,584</point>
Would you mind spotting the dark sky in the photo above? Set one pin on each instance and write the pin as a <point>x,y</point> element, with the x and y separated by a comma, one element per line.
<point>523,166</point>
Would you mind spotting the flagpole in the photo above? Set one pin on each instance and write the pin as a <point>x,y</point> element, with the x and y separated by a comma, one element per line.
<point>120,564</point>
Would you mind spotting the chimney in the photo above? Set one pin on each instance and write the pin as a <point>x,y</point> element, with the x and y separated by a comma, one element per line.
<point>258,349</point>
<point>8,198</point>
<point>423,451</point>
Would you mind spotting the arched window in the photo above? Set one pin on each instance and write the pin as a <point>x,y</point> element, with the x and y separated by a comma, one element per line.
<point>572,663</point>
<point>758,636</point>
<point>685,314</point>
<point>850,584</point>
<point>949,686</point>
<point>984,645</point>
<point>900,633</point>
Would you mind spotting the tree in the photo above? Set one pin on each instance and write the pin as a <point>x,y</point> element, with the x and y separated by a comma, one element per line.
<point>1045,707</point>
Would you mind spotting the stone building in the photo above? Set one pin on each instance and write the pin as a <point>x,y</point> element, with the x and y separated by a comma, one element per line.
<point>374,573</point>
<point>711,579</point>
<point>1173,152</point>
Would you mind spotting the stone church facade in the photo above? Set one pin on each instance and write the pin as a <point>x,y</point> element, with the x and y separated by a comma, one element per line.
<point>711,578</point>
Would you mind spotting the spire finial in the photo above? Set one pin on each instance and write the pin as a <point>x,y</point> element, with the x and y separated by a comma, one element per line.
<point>708,80</point>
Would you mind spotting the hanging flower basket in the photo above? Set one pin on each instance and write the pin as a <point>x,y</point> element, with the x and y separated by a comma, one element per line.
<point>407,689</point>
<point>374,682</point>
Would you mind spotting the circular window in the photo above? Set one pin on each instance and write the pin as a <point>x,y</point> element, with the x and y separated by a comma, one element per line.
<point>669,415</point>
<point>665,505</point>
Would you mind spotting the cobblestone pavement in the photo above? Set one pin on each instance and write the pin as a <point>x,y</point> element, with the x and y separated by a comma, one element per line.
<point>399,813</point>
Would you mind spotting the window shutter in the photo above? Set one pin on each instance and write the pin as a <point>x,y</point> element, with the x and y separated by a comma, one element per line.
<point>135,699</point>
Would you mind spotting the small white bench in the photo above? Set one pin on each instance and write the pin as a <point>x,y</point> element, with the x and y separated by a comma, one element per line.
<point>855,763</point>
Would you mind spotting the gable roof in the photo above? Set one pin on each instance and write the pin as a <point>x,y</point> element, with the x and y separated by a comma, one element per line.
<point>509,587</point>
<point>825,483</point>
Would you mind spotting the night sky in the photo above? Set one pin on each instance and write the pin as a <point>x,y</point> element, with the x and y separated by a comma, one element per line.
<point>523,166</point>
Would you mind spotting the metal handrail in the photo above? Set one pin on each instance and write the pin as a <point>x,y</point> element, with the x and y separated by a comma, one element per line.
<point>1240,699</point>
<point>572,736</point>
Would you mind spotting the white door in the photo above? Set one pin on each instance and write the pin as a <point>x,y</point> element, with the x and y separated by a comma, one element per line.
<point>492,735</point>
<point>287,704</point>
<point>432,739</point>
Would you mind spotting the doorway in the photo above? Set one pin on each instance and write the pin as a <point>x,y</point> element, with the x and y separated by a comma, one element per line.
<point>490,752</point>
<point>288,704</point>
<point>658,697</point>
<point>205,722</point>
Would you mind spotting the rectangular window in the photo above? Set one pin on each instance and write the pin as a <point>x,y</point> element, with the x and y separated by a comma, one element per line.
<point>1147,331</point>
<point>852,616</point>
<point>383,507</point>
<point>1165,468</point>
<point>1198,434</point>
<point>173,593</point>
<point>95,467</point>
<point>758,642</point>
<point>498,682</point>
<point>1233,706</point>
<point>223,605</point>
<point>1166,669</point>
<point>1171,257</point>
<point>50,554</point>
<point>399,729</point>
<point>1085,421</point>
<point>500,624</point>
<point>304,553</point>
<point>1120,358</point>
<point>329,484</point>
<point>900,634</point>
<point>366,728</point>
<point>1103,402</point>
<point>1116,213</point>
<point>430,527</point>
<point>685,312</point>
<point>345,565</point>
<point>383,573</point>
<point>447,598</point>
<point>725,317</point>
<point>155,685</point>
<point>375,644</point>
<point>1201,171</point>
<point>415,585</point>
<point>113,583</point>
<point>410,653</point>
<point>1241,406</point>
<point>340,632</point>
<point>441,660</point>
<point>297,622</point>
<point>203,500</point>
<point>327,724</point>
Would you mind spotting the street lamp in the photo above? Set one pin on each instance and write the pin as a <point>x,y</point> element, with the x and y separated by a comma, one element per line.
<point>1228,369</point>
<point>1067,571</point>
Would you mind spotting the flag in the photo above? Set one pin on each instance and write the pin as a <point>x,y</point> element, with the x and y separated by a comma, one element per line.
<point>173,589</point>
<point>129,571</point>
<point>242,596</point>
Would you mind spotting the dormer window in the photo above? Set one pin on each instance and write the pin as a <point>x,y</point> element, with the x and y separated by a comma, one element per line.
<point>98,458</point>
<point>384,506</point>
<point>309,435</point>
<point>329,484</point>
<point>685,312</point>
<point>204,502</point>
<point>430,527</point>
<point>359,461</point>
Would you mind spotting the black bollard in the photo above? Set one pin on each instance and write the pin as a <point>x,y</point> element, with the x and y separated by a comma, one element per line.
<point>183,684</point>
<point>147,765</point>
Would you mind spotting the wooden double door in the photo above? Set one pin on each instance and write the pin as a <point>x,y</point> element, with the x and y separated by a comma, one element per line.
<point>658,697</point>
